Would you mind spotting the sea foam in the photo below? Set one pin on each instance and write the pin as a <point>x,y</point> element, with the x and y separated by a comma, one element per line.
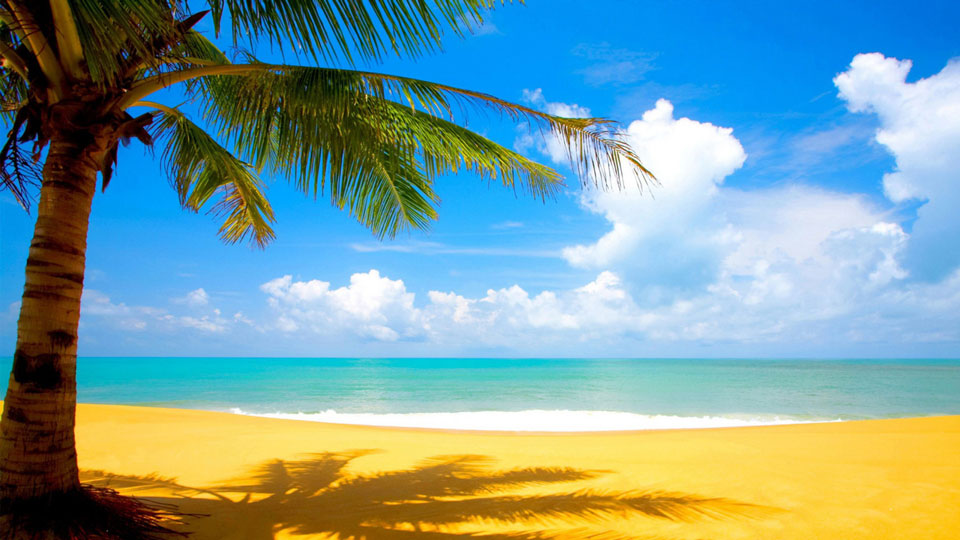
<point>534,420</point>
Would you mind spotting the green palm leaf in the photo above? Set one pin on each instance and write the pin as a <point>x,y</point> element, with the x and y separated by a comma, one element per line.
<point>326,129</point>
<point>13,95</point>
<point>350,30</point>
<point>71,69</point>
<point>373,143</point>
<point>200,169</point>
<point>115,35</point>
<point>446,147</point>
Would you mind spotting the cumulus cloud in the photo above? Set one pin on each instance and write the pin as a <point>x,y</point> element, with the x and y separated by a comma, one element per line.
<point>778,302</point>
<point>379,308</point>
<point>675,238</point>
<point>698,263</point>
<point>371,306</point>
<point>695,232</point>
<point>703,262</point>
<point>920,126</point>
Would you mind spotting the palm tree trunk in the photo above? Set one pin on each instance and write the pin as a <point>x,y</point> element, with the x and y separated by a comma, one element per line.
<point>38,458</point>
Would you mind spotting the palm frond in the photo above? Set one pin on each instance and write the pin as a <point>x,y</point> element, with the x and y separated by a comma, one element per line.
<point>13,95</point>
<point>377,178</point>
<point>196,46</point>
<point>69,48</point>
<point>12,59</point>
<point>596,148</point>
<point>319,126</point>
<point>350,30</point>
<point>33,24</point>
<point>382,186</point>
<point>20,173</point>
<point>199,169</point>
<point>446,147</point>
<point>116,35</point>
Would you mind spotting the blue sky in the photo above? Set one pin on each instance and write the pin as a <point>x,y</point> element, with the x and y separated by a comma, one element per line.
<point>808,159</point>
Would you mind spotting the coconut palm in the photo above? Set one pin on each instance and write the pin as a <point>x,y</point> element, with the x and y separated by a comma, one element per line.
<point>79,77</point>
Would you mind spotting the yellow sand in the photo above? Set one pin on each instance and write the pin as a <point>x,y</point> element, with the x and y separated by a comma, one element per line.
<point>264,478</point>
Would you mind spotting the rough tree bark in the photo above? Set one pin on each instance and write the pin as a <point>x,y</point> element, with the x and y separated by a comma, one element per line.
<point>38,457</point>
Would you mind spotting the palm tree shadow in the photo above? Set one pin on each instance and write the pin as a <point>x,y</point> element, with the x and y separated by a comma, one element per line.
<point>316,496</point>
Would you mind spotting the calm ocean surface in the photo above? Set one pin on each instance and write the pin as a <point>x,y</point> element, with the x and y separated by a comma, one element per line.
<point>524,394</point>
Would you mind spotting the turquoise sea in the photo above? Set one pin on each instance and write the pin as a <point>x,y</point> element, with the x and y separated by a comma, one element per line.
<point>530,394</point>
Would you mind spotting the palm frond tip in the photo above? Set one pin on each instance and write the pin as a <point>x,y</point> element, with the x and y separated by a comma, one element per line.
<point>199,169</point>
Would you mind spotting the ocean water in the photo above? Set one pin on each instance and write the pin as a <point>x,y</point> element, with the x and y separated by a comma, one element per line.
<point>530,394</point>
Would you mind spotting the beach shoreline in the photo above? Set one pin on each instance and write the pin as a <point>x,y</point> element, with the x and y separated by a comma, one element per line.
<point>539,420</point>
<point>883,479</point>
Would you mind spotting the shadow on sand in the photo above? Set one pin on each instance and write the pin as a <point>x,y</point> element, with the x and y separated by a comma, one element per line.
<point>317,496</point>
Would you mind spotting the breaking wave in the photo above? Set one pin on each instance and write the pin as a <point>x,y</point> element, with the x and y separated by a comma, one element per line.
<point>536,420</point>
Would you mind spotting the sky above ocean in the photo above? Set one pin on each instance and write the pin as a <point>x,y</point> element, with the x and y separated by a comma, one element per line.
<point>808,206</point>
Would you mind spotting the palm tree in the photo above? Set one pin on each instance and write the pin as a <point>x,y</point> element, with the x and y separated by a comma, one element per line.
<point>81,76</point>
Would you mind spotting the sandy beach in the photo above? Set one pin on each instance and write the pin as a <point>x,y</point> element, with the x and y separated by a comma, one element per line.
<point>258,478</point>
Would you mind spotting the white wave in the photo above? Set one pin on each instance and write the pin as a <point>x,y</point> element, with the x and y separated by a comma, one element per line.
<point>534,420</point>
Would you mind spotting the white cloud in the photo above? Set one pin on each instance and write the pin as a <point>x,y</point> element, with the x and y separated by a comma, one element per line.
<point>371,306</point>
<point>195,298</point>
<point>694,233</point>
<point>513,317</point>
<point>483,27</point>
<point>825,142</point>
<point>377,307</point>
<point>99,311</point>
<point>777,302</point>
<point>676,235</point>
<point>920,126</point>
<point>547,143</point>
<point>792,266</point>
<point>705,262</point>
<point>701,262</point>
<point>788,222</point>
<point>207,323</point>
<point>486,28</point>
<point>96,304</point>
<point>556,108</point>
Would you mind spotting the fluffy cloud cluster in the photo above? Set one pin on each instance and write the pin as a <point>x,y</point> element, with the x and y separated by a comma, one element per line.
<point>697,263</point>
<point>378,308</point>
<point>846,301</point>
<point>671,240</point>
<point>795,262</point>
<point>371,306</point>
<point>743,249</point>
<point>512,316</point>
<point>920,126</point>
